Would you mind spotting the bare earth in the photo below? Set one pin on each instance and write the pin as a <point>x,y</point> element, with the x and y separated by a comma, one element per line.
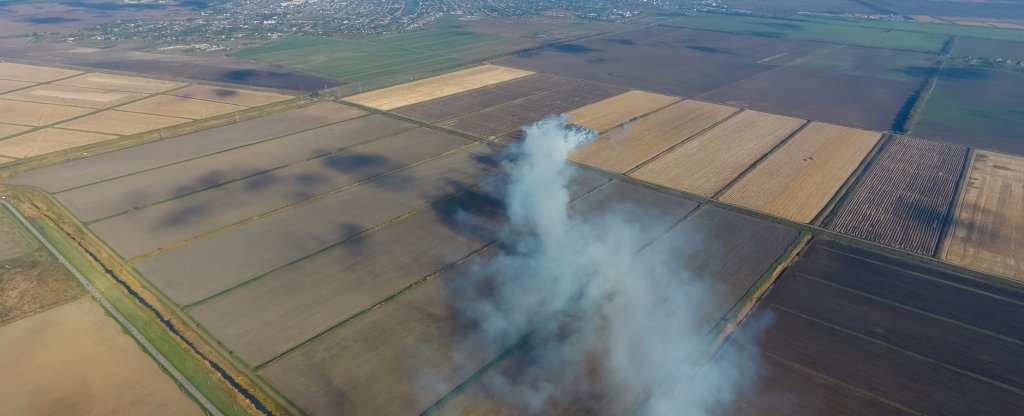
<point>121,122</point>
<point>798,179</point>
<point>622,149</point>
<point>46,141</point>
<point>710,161</point>
<point>987,233</point>
<point>120,83</point>
<point>613,112</point>
<point>436,87</point>
<point>74,360</point>
<point>32,73</point>
<point>166,105</point>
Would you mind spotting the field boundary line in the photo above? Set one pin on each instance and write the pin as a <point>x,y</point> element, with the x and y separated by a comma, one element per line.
<point>110,309</point>
<point>953,210</point>
<point>800,60</point>
<point>901,350</point>
<point>363,233</point>
<point>912,309</point>
<point>332,152</point>
<point>923,276</point>
<point>178,162</point>
<point>686,139</point>
<point>280,209</point>
<point>22,165</point>
<point>422,280</point>
<point>760,159</point>
<point>839,195</point>
<point>829,380</point>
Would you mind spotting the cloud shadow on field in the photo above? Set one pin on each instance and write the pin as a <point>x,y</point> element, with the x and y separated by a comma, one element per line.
<point>573,48</point>
<point>48,20</point>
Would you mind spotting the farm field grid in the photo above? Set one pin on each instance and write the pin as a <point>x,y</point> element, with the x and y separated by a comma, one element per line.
<point>45,109</point>
<point>863,245</point>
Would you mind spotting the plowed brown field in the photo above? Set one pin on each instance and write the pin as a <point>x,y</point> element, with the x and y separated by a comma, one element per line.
<point>986,234</point>
<point>623,148</point>
<point>435,87</point>
<point>799,178</point>
<point>710,161</point>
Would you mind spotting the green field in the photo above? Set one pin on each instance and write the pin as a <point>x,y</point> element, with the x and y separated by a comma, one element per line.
<point>820,30</point>
<point>385,60</point>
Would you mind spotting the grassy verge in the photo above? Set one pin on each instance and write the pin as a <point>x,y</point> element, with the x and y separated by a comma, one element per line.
<point>194,358</point>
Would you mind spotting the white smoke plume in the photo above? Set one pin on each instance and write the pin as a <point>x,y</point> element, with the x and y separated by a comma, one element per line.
<point>601,313</point>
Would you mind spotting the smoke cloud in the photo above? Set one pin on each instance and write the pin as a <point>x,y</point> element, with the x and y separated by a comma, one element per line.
<point>594,303</point>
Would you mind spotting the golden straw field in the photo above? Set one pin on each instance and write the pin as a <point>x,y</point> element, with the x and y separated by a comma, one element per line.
<point>707,163</point>
<point>166,105</point>
<point>121,122</point>
<point>436,87</point>
<point>987,231</point>
<point>798,179</point>
<point>612,112</point>
<point>623,148</point>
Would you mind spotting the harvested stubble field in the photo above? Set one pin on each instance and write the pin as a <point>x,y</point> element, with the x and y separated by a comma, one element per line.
<point>613,112</point>
<point>73,96</point>
<point>798,179</point>
<point>904,200</point>
<point>74,359</point>
<point>739,250</point>
<point>120,83</point>
<point>33,73</point>
<point>8,85</point>
<point>223,260</point>
<point>623,148</point>
<point>229,95</point>
<point>707,163</point>
<point>506,119</point>
<point>439,86</point>
<point>924,341</point>
<point>47,140</point>
<point>11,129</point>
<point>986,233</point>
<point>377,358</point>
<point>36,114</point>
<point>167,105</point>
<point>121,122</point>
<point>455,105</point>
<point>182,218</point>
<point>106,166</point>
<point>135,191</point>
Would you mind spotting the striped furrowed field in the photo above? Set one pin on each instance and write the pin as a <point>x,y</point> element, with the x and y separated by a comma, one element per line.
<point>904,199</point>
<point>798,179</point>
<point>707,163</point>
<point>986,232</point>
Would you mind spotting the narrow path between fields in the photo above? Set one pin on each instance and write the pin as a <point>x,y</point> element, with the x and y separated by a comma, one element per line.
<point>207,406</point>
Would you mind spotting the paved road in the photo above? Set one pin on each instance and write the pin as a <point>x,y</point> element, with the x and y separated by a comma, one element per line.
<point>117,315</point>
